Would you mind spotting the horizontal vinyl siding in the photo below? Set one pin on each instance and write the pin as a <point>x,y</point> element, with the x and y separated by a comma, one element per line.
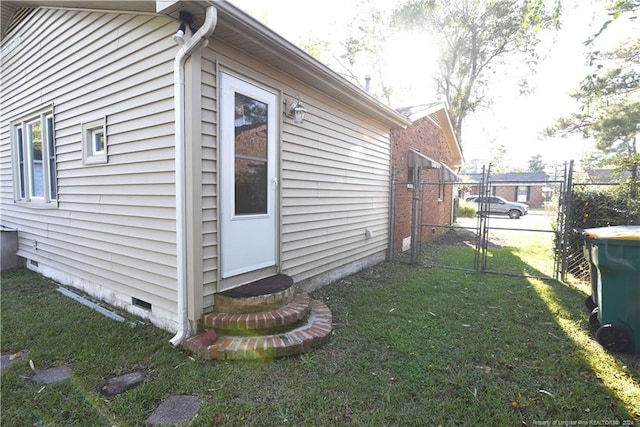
<point>335,185</point>
<point>209,178</point>
<point>334,178</point>
<point>114,227</point>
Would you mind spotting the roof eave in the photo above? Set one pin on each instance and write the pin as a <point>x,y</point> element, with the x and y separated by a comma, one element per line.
<point>450,136</point>
<point>308,69</point>
<point>441,110</point>
<point>276,50</point>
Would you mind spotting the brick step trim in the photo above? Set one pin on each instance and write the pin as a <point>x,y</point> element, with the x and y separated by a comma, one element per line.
<point>261,322</point>
<point>314,333</point>
<point>253,304</point>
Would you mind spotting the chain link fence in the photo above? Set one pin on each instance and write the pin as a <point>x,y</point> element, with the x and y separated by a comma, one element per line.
<point>426,215</point>
<point>593,205</point>
<point>430,215</point>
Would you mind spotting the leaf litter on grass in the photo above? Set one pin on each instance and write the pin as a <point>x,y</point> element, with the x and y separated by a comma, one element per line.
<point>417,363</point>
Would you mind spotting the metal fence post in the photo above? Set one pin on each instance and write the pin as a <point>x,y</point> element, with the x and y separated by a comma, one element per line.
<point>568,200</point>
<point>415,220</point>
<point>482,223</point>
<point>392,215</point>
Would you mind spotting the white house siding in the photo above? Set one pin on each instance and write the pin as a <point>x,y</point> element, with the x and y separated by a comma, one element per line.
<point>334,179</point>
<point>113,231</point>
<point>208,178</point>
<point>335,189</point>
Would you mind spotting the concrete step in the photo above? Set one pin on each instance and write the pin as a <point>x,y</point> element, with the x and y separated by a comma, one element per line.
<point>310,335</point>
<point>263,322</point>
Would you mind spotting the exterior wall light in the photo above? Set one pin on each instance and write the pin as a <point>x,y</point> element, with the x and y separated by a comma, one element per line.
<point>185,19</point>
<point>295,110</point>
<point>179,35</point>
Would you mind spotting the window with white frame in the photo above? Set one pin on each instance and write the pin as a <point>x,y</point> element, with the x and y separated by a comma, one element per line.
<point>522,193</point>
<point>94,142</point>
<point>35,158</point>
<point>441,192</point>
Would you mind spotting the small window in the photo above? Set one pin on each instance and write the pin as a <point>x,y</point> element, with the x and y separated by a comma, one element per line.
<point>410,177</point>
<point>522,193</point>
<point>33,139</point>
<point>51,154</point>
<point>21,175</point>
<point>441,192</point>
<point>97,141</point>
<point>94,142</point>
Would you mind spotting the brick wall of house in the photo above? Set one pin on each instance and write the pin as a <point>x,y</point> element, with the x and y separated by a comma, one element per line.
<point>535,197</point>
<point>402,218</point>
<point>424,136</point>
<point>508,192</point>
<point>505,185</point>
<point>436,205</point>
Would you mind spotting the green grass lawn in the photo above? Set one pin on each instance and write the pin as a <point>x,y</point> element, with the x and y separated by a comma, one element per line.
<point>411,346</point>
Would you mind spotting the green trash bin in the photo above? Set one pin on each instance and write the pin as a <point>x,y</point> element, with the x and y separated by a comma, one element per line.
<point>615,252</point>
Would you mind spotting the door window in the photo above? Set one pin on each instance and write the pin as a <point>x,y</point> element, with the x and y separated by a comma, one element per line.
<point>250,158</point>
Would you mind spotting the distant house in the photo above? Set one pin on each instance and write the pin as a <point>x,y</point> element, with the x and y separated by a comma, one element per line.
<point>607,176</point>
<point>157,175</point>
<point>524,187</point>
<point>429,147</point>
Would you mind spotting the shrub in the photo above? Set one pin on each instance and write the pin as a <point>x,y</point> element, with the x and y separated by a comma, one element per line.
<point>466,209</point>
<point>591,208</point>
<point>603,208</point>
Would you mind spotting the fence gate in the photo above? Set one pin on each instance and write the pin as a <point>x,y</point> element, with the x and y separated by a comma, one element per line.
<point>428,223</point>
<point>491,242</point>
<point>563,227</point>
<point>583,206</point>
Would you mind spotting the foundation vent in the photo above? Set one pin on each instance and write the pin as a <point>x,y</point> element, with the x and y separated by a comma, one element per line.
<point>140,303</point>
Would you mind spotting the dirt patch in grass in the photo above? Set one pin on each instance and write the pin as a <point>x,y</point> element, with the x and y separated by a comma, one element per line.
<point>461,237</point>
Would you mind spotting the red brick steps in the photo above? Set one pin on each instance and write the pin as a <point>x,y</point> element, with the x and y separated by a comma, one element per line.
<point>302,339</point>
<point>299,325</point>
<point>268,321</point>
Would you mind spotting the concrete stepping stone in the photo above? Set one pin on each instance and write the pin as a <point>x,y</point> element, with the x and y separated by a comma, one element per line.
<point>8,359</point>
<point>176,410</point>
<point>117,385</point>
<point>52,375</point>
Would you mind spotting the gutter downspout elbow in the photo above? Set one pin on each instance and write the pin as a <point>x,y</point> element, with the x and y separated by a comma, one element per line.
<point>199,39</point>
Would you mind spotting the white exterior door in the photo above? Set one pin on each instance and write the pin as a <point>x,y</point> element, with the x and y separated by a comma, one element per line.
<point>247,176</point>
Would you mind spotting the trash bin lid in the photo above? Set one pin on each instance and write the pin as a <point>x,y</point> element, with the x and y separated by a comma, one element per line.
<point>617,232</point>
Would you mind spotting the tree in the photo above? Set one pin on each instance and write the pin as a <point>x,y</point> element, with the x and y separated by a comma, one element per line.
<point>499,161</point>
<point>476,37</point>
<point>536,164</point>
<point>366,45</point>
<point>472,166</point>
<point>361,52</point>
<point>609,99</point>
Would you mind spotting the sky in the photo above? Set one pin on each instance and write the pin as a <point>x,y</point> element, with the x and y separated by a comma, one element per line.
<point>513,120</point>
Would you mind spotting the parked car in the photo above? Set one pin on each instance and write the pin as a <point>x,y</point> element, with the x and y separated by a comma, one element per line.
<point>471,198</point>
<point>495,205</point>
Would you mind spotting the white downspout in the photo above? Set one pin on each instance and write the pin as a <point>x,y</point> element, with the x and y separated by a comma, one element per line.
<point>200,38</point>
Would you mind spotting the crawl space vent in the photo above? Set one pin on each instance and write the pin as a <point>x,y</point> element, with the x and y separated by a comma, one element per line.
<point>140,303</point>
